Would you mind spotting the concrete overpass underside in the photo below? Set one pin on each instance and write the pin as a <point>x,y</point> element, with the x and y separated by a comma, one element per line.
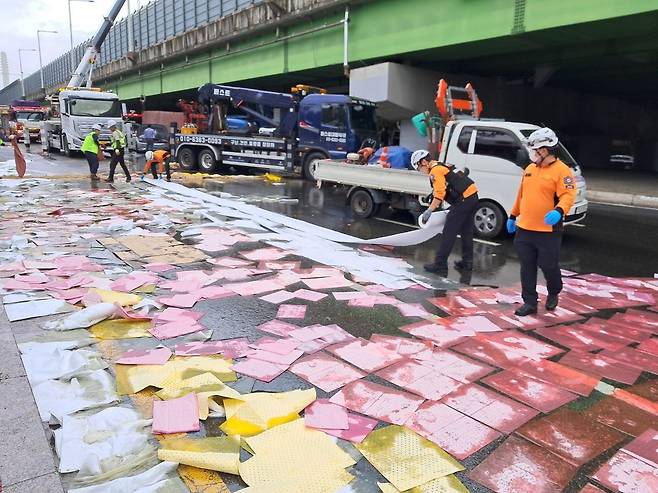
<point>587,67</point>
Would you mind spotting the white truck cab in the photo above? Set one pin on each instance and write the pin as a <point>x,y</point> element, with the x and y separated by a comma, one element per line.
<point>79,110</point>
<point>495,156</point>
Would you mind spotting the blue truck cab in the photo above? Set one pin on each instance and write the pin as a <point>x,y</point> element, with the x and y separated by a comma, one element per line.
<point>334,124</point>
<point>291,131</point>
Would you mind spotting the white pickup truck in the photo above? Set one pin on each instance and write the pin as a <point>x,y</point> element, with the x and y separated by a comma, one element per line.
<point>492,151</point>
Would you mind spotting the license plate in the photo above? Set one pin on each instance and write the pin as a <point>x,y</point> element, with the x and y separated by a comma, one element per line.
<point>581,209</point>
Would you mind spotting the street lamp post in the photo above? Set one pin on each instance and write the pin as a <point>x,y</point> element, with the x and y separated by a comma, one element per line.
<point>71,31</point>
<point>20,64</point>
<point>39,31</point>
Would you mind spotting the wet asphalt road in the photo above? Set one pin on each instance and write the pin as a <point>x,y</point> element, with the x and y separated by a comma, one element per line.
<point>615,241</point>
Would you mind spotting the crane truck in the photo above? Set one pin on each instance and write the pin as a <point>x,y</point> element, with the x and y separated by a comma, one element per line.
<point>293,130</point>
<point>78,106</point>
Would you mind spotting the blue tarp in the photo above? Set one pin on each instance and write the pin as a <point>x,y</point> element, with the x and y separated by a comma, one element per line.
<point>399,157</point>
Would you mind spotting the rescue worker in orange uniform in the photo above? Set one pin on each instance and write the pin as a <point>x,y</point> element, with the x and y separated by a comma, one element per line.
<point>460,192</point>
<point>546,194</point>
<point>158,161</point>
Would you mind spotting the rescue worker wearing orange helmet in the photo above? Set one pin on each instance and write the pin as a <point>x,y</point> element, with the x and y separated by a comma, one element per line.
<point>457,189</point>
<point>546,194</point>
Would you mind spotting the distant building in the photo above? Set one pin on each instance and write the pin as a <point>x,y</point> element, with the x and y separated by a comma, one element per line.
<point>4,69</point>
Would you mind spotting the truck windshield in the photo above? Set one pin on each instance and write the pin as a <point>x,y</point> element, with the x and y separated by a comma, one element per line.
<point>363,117</point>
<point>30,116</point>
<point>561,152</point>
<point>95,107</point>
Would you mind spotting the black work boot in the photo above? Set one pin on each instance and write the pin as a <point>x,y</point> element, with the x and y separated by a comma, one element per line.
<point>526,310</point>
<point>463,265</point>
<point>552,302</point>
<point>438,269</point>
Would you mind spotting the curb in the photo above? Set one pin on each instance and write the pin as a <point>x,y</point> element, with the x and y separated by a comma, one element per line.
<point>627,199</point>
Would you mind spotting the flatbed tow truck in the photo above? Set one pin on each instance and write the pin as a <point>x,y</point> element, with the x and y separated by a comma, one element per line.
<point>292,131</point>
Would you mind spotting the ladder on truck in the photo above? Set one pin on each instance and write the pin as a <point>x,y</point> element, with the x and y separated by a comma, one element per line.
<point>452,103</point>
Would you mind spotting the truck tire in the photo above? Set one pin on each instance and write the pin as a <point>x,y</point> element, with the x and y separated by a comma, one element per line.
<point>489,220</point>
<point>363,204</point>
<point>65,147</point>
<point>187,159</point>
<point>309,161</point>
<point>207,161</point>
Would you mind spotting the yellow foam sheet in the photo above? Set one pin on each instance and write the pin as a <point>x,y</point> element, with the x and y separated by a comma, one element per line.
<point>202,480</point>
<point>262,410</point>
<point>220,454</point>
<point>292,454</point>
<point>405,458</point>
<point>133,378</point>
<point>120,329</point>
<point>446,484</point>
<point>123,299</point>
<point>206,385</point>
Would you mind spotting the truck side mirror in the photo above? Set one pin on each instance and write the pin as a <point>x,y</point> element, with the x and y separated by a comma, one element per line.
<point>522,158</point>
<point>124,110</point>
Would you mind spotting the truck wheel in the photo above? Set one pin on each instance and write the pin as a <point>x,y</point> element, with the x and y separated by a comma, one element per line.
<point>187,159</point>
<point>207,161</point>
<point>309,163</point>
<point>489,220</point>
<point>362,203</point>
<point>65,147</point>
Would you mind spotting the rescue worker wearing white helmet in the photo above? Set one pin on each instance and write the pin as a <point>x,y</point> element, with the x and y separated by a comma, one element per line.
<point>90,148</point>
<point>118,142</point>
<point>546,194</point>
<point>159,160</point>
<point>458,190</point>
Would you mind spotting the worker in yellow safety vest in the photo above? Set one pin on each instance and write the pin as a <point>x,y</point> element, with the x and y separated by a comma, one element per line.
<point>118,142</point>
<point>90,148</point>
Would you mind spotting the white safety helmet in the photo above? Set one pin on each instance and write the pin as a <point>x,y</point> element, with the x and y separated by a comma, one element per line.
<point>111,123</point>
<point>96,126</point>
<point>543,137</point>
<point>148,155</point>
<point>418,156</point>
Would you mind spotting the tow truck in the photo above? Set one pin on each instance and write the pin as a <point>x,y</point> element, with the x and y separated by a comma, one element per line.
<point>27,117</point>
<point>493,152</point>
<point>79,106</point>
<point>289,131</point>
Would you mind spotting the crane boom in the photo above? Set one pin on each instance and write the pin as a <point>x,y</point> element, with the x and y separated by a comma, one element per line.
<point>85,67</point>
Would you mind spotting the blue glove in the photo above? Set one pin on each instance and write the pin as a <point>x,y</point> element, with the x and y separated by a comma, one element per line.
<point>553,217</point>
<point>426,216</point>
<point>511,225</point>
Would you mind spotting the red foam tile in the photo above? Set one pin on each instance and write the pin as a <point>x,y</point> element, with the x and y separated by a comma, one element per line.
<point>366,355</point>
<point>453,365</point>
<point>489,353</point>
<point>537,394</point>
<point>490,408</point>
<point>325,372</point>
<point>439,335</point>
<point>456,305</point>
<point>598,336</point>
<point>567,339</point>
<point>648,390</point>
<point>645,447</point>
<point>419,379</point>
<point>521,466</point>
<point>602,366</point>
<point>559,375</point>
<point>622,416</point>
<point>625,473</point>
<point>636,359</point>
<point>521,344</point>
<point>649,346</point>
<point>571,435</point>
<point>623,333</point>
<point>404,346</point>
<point>458,434</point>
<point>590,488</point>
<point>378,401</point>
